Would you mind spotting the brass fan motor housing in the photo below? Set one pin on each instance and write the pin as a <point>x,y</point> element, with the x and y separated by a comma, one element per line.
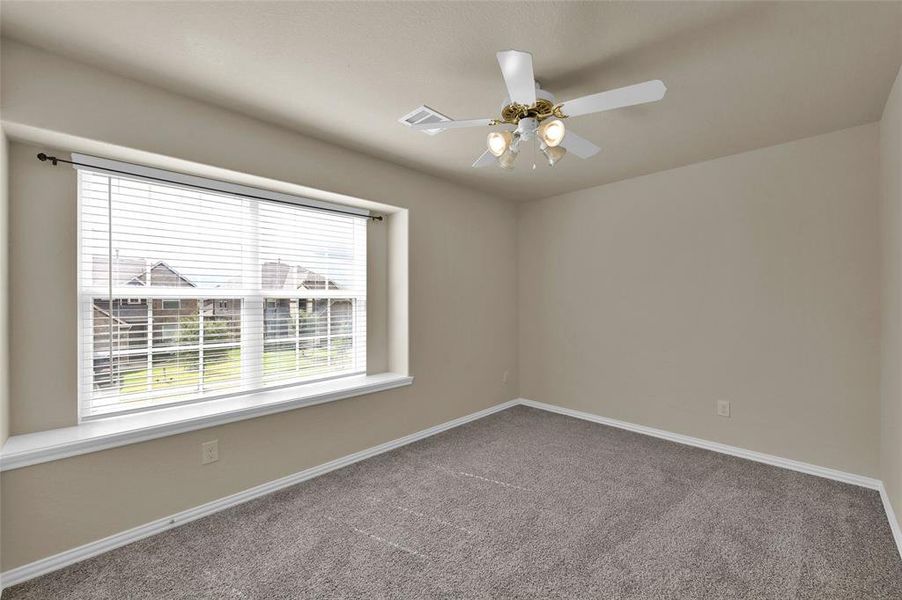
<point>541,110</point>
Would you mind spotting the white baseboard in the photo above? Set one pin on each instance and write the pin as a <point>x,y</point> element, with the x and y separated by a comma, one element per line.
<point>891,515</point>
<point>68,557</point>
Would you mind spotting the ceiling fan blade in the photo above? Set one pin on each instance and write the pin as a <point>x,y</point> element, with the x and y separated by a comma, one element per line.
<point>516,67</point>
<point>579,146</point>
<point>640,93</point>
<point>485,159</point>
<point>452,124</point>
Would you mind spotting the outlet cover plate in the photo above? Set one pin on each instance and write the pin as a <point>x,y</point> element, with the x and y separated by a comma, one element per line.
<point>209,452</point>
<point>723,408</point>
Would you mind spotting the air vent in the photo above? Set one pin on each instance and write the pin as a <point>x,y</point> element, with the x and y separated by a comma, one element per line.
<point>424,114</point>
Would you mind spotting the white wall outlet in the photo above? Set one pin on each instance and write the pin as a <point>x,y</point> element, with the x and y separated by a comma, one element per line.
<point>506,377</point>
<point>209,452</point>
<point>723,408</point>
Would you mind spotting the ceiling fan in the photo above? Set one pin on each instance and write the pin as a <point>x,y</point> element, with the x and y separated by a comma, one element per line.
<point>529,112</point>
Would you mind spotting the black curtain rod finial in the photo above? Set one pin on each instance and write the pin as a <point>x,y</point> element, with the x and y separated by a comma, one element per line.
<point>43,158</point>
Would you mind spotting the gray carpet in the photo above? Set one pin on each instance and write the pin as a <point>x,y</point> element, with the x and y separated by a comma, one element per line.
<point>521,504</point>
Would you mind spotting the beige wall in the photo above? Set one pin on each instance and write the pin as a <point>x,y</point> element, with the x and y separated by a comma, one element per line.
<point>43,295</point>
<point>752,278</point>
<point>891,221</point>
<point>462,246</point>
<point>4,306</point>
<point>4,288</point>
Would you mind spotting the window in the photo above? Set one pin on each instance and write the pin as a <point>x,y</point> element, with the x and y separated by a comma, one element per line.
<point>188,294</point>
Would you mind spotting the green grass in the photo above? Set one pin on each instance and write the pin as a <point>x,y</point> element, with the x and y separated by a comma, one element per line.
<point>226,366</point>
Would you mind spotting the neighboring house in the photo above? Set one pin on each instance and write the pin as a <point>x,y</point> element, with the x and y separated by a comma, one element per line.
<point>109,331</point>
<point>159,274</point>
<point>134,312</point>
<point>175,322</point>
<point>277,275</point>
<point>136,272</point>
<point>286,317</point>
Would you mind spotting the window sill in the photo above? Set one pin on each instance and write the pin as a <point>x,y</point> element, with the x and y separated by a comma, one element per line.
<point>44,446</point>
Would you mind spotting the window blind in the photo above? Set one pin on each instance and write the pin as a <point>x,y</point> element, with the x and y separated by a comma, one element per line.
<point>190,294</point>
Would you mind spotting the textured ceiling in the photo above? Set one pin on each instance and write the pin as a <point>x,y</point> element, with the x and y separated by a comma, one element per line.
<point>740,75</point>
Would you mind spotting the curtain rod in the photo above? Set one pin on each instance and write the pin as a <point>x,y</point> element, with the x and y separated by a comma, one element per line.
<point>54,160</point>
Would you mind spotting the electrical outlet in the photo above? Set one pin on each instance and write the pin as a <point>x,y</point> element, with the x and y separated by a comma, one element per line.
<point>505,377</point>
<point>723,408</point>
<point>209,452</point>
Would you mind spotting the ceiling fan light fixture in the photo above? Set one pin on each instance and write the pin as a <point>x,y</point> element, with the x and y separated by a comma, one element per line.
<point>552,132</point>
<point>498,142</point>
<point>506,160</point>
<point>553,154</point>
<point>515,143</point>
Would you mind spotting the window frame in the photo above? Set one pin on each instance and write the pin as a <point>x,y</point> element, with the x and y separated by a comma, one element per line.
<point>248,299</point>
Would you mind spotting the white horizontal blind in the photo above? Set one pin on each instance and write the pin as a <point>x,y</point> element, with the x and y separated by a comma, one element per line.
<point>187,295</point>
